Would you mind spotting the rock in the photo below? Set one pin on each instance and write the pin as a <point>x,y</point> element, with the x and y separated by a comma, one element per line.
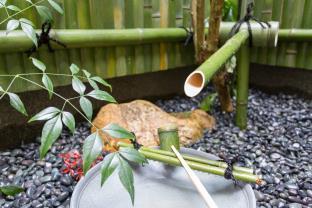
<point>144,118</point>
<point>66,180</point>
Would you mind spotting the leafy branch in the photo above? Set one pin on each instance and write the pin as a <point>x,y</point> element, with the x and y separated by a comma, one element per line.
<point>55,119</point>
<point>26,25</point>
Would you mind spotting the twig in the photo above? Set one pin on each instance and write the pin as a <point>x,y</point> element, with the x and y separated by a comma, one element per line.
<point>197,183</point>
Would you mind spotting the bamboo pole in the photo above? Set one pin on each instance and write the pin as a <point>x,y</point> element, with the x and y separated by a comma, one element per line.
<point>156,46</point>
<point>303,47</point>
<point>119,23</point>
<point>242,87</point>
<point>257,13</point>
<point>199,160</point>
<point>277,9</point>
<point>148,55</point>
<point>178,23</point>
<point>195,180</point>
<point>171,47</point>
<point>196,81</point>
<point>245,177</point>
<point>168,136</point>
<point>164,16</point>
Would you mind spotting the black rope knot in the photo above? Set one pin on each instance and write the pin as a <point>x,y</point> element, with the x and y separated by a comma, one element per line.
<point>135,144</point>
<point>246,19</point>
<point>44,38</point>
<point>228,173</point>
<point>189,35</point>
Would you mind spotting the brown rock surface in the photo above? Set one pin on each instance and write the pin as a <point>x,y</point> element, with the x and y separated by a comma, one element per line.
<point>144,118</point>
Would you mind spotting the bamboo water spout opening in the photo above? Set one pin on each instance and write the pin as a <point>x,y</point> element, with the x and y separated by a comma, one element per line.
<point>194,83</point>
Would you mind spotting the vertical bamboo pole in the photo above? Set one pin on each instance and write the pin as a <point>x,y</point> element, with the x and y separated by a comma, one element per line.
<point>84,22</point>
<point>70,12</point>
<point>62,61</point>
<point>303,48</point>
<point>243,57</point>
<point>148,55</point>
<point>164,22</point>
<point>155,46</point>
<point>257,13</point>
<point>168,136</point>
<point>277,13</point>
<point>187,58</point>
<point>135,19</point>
<point>171,49</point>
<point>266,16</point>
<point>119,22</point>
<point>3,70</point>
<point>178,23</point>
<point>296,19</point>
<point>102,57</point>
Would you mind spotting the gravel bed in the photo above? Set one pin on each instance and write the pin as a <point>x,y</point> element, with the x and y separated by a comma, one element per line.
<point>277,143</point>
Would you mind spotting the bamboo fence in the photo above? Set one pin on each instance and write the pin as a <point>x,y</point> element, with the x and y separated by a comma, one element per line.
<point>111,61</point>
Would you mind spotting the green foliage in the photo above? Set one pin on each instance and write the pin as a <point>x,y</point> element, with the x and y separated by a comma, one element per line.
<point>16,103</point>
<point>78,86</point>
<point>69,121</point>
<point>38,64</point>
<point>208,102</point>
<point>101,95</point>
<point>45,114</point>
<point>56,6</point>
<point>11,190</point>
<point>92,148</point>
<point>116,131</point>
<point>110,163</point>
<point>47,82</point>
<point>86,107</point>
<point>126,177</point>
<point>51,131</point>
<point>132,155</point>
<point>230,10</point>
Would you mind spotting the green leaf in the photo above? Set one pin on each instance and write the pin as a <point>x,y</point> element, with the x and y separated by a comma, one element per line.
<point>110,163</point>
<point>208,102</point>
<point>74,69</point>
<point>29,1</point>
<point>126,177</point>
<point>93,84</point>
<point>47,82</point>
<point>1,89</point>
<point>11,190</point>
<point>16,103</point>
<point>38,64</point>
<point>45,114</point>
<point>26,21</point>
<point>44,13</point>
<point>29,31</point>
<point>51,131</point>
<point>102,81</point>
<point>78,85</point>
<point>13,8</point>
<point>86,107</point>
<point>86,73</point>
<point>56,6</point>
<point>132,155</point>
<point>92,148</point>
<point>12,25</point>
<point>2,3</point>
<point>69,121</point>
<point>116,131</point>
<point>101,95</point>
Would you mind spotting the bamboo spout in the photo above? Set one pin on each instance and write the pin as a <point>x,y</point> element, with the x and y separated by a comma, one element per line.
<point>196,81</point>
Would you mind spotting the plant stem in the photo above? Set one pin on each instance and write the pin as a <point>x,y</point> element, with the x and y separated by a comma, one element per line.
<point>8,88</point>
<point>23,10</point>
<point>58,95</point>
<point>31,74</point>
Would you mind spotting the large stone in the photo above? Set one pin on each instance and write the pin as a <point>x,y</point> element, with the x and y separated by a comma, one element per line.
<point>144,118</point>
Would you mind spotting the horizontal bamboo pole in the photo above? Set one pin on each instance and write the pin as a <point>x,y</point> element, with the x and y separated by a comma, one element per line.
<point>199,160</point>
<point>242,176</point>
<point>85,38</point>
<point>295,35</point>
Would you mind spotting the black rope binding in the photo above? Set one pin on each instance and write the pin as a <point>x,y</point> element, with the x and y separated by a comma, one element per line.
<point>135,144</point>
<point>189,35</point>
<point>228,173</point>
<point>249,16</point>
<point>44,38</point>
